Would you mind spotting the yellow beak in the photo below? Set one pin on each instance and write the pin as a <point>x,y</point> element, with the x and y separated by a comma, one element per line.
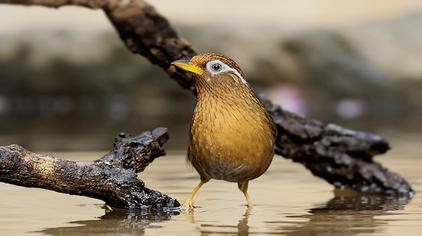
<point>188,66</point>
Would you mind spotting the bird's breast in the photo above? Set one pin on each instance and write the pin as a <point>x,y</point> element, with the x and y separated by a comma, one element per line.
<point>231,141</point>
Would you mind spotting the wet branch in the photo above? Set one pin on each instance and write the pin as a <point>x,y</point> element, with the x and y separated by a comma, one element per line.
<point>342,157</point>
<point>112,179</point>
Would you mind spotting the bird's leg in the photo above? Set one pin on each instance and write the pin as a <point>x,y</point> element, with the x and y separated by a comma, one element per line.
<point>243,186</point>
<point>189,202</point>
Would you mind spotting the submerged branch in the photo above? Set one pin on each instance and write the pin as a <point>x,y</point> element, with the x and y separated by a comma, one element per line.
<point>342,157</point>
<point>112,179</point>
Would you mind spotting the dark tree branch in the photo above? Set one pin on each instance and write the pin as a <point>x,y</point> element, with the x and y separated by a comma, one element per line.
<point>342,157</point>
<point>112,179</point>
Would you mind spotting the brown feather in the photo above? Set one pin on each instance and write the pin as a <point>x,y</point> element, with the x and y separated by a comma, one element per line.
<point>232,135</point>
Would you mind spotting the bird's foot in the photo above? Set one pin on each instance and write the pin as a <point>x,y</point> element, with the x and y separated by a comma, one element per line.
<point>188,205</point>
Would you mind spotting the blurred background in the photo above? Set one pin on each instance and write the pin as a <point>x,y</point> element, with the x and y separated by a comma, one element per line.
<point>68,83</point>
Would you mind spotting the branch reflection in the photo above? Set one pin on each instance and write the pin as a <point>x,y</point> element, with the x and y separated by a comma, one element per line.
<point>113,222</point>
<point>347,213</point>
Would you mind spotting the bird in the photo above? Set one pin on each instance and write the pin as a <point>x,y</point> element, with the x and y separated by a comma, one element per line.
<point>232,135</point>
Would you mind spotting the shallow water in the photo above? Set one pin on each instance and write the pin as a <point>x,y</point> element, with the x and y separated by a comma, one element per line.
<point>288,201</point>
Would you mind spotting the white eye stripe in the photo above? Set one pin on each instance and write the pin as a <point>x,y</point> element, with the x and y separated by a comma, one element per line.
<point>238,75</point>
<point>224,68</point>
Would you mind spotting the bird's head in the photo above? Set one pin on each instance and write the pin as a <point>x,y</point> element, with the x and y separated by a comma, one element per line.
<point>212,71</point>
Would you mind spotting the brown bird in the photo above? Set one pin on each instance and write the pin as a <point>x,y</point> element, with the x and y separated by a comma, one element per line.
<point>231,136</point>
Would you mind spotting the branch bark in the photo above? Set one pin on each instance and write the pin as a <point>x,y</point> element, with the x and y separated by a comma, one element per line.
<point>112,179</point>
<point>342,157</point>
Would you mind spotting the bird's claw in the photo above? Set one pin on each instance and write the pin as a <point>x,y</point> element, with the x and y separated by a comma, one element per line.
<point>187,205</point>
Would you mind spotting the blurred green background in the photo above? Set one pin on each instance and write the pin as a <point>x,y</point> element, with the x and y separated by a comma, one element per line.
<point>68,82</point>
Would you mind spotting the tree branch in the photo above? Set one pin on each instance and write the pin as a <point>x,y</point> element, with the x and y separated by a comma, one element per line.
<point>342,157</point>
<point>112,179</point>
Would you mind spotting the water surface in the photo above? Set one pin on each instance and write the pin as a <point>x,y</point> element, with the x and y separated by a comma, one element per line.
<point>288,201</point>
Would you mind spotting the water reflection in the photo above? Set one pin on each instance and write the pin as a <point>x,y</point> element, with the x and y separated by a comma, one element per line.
<point>242,227</point>
<point>113,222</point>
<point>347,213</point>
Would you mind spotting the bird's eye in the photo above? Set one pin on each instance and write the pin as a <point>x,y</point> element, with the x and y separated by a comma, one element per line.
<point>216,67</point>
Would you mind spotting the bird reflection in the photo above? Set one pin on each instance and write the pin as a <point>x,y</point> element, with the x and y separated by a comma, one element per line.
<point>347,213</point>
<point>242,228</point>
